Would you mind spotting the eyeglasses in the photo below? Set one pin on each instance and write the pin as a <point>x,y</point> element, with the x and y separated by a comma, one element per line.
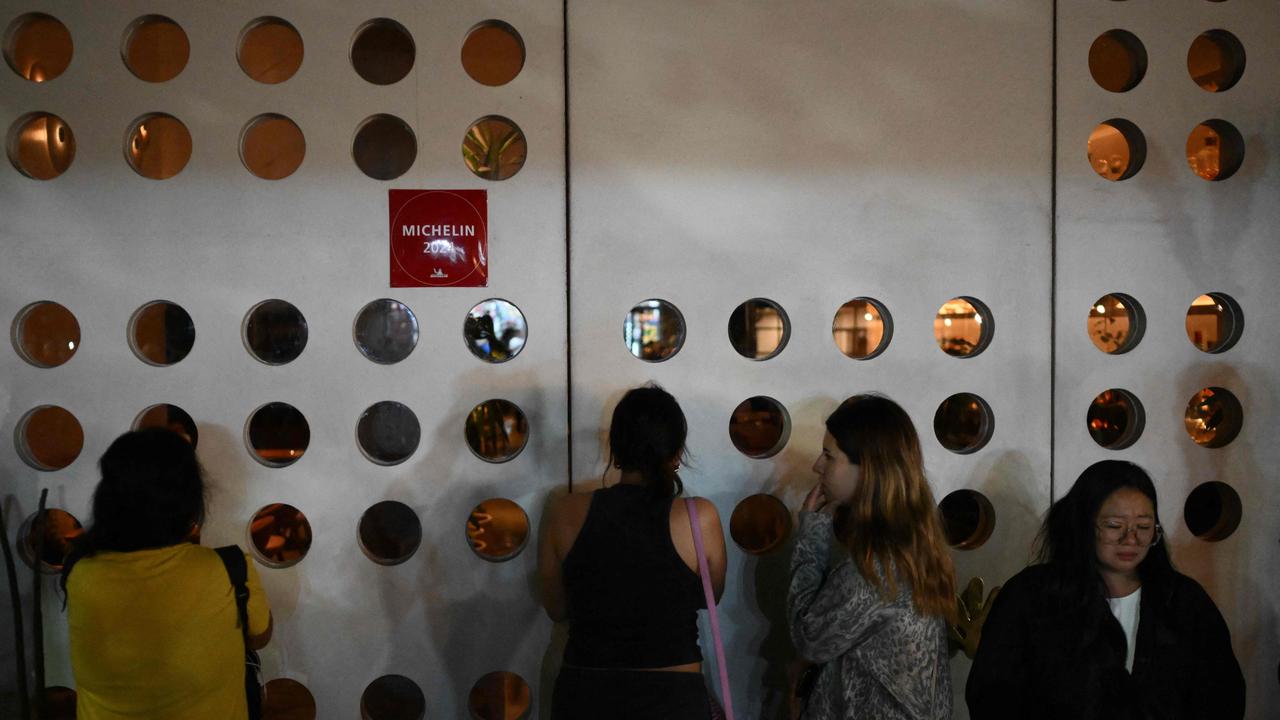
<point>1114,532</point>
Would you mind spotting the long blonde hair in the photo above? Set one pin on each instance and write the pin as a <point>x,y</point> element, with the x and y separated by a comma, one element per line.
<point>892,518</point>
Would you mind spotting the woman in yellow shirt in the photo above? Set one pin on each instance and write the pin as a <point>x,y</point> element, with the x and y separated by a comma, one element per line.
<point>154,627</point>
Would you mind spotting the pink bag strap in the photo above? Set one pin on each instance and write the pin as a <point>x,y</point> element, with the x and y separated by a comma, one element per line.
<point>705,572</point>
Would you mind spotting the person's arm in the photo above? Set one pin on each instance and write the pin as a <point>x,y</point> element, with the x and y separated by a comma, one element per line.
<point>998,675</point>
<point>712,543</point>
<point>550,579</point>
<point>1220,688</point>
<point>259,641</point>
<point>260,620</point>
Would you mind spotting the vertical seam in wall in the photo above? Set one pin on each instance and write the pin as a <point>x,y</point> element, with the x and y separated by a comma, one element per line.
<point>1053,258</point>
<point>568,261</point>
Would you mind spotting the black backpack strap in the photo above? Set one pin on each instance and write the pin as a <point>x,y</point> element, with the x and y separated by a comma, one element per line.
<point>238,572</point>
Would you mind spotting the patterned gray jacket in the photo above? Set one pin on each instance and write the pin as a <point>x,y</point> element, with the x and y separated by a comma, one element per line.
<point>880,659</point>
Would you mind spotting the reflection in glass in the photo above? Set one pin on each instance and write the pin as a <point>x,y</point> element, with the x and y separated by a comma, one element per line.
<point>156,48</point>
<point>760,524</point>
<point>45,334</point>
<point>1215,150</point>
<point>272,147</point>
<point>1115,419</point>
<point>49,438</point>
<point>759,329</point>
<point>1214,322</point>
<point>963,327</point>
<point>1216,60</point>
<point>170,417</point>
<point>386,331</point>
<point>1117,149</point>
<point>494,148</point>
<point>495,330</point>
<point>270,50</point>
<point>54,537</point>
<point>382,51</point>
<point>497,529</point>
<point>1116,323</point>
<point>759,427</point>
<point>287,699</point>
<point>388,432</point>
<point>1213,511</point>
<point>392,697</point>
<point>497,430</point>
<point>38,47</point>
<point>280,534</point>
<point>963,423</point>
<point>1117,60</point>
<point>384,147</point>
<point>41,146</point>
<point>862,328</point>
<point>158,147</point>
<point>493,53</point>
<point>653,330</point>
<point>968,517</point>
<point>161,333</point>
<point>275,332</point>
<point>499,696</point>
<point>390,532</point>
<point>1214,417</point>
<point>277,434</point>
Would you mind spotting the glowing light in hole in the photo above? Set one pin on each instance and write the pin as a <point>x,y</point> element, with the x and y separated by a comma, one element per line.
<point>1101,309</point>
<point>946,321</point>
<point>868,317</point>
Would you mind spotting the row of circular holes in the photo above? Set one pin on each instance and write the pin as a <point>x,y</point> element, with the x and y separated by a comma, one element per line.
<point>1117,149</point>
<point>1118,60</point>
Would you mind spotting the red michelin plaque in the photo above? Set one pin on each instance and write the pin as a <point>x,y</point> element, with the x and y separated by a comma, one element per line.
<point>439,238</point>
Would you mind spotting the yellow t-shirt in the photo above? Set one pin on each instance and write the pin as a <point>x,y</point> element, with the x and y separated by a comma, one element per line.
<point>155,634</point>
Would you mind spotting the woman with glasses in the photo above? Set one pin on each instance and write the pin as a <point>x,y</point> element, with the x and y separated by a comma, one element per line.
<point>1104,626</point>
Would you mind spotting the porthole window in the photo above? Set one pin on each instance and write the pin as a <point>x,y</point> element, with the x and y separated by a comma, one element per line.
<point>1213,511</point>
<point>281,535</point>
<point>393,697</point>
<point>1213,417</point>
<point>49,438</point>
<point>38,47</point>
<point>963,327</point>
<point>388,433</point>
<point>1117,149</point>
<point>169,417</point>
<point>45,334</point>
<point>382,51</point>
<point>495,330</point>
<point>1216,60</point>
<point>1214,322</point>
<point>156,48</point>
<point>384,147</point>
<point>968,517</point>
<point>161,333</point>
<point>158,146</point>
<point>277,434</point>
<point>41,145</point>
<point>964,423</point>
<point>1215,150</point>
<point>497,529</point>
<point>493,53</point>
<point>390,532</point>
<point>654,330</point>
<point>272,147</point>
<point>1115,419</point>
<point>54,536</point>
<point>494,148</point>
<point>274,332</point>
<point>760,524</point>
<point>499,696</point>
<point>1116,323</point>
<point>759,329</point>
<point>287,699</point>
<point>496,430</point>
<point>759,427</point>
<point>270,50</point>
<point>862,328</point>
<point>386,331</point>
<point>1117,60</point>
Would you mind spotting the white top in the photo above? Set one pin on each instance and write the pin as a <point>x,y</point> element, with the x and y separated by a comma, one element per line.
<point>1126,611</point>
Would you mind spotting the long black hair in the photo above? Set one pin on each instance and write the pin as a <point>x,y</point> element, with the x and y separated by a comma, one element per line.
<point>152,494</point>
<point>647,432</point>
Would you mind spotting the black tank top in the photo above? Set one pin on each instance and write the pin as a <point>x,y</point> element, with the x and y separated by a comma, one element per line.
<point>632,601</point>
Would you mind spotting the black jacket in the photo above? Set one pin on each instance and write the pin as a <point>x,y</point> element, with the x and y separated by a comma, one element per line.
<point>1038,659</point>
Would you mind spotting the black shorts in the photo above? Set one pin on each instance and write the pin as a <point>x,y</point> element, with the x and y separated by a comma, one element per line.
<point>582,694</point>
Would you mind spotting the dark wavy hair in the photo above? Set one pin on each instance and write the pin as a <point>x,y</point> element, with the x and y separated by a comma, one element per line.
<point>152,494</point>
<point>647,432</point>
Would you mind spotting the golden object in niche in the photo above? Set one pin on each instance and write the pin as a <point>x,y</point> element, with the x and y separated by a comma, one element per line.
<point>1117,60</point>
<point>38,47</point>
<point>1213,511</point>
<point>494,148</point>
<point>158,146</point>
<point>963,327</point>
<point>493,53</point>
<point>49,438</point>
<point>1214,322</point>
<point>654,330</point>
<point>392,697</point>
<point>1216,60</point>
<point>1116,323</point>
<point>963,423</point>
<point>972,611</point>
<point>382,51</point>
<point>760,524</point>
<point>287,699</point>
<point>41,145</point>
<point>384,147</point>
<point>388,433</point>
<point>1117,149</point>
<point>390,532</point>
<point>862,328</point>
<point>1115,419</point>
<point>270,50</point>
<point>1215,150</point>
<point>495,330</point>
<point>496,430</point>
<point>497,529</point>
<point>272,147</point>
<point>385,331</point>
<point>56,533</point>
<point>1214,417</point>
<point>759,427</point>
<point>281,535</point>
<point>274,332</point>
<point>169,417</point>
<point>499,696</point>
<point>156,49</point>
<point>968,518</point>
<point>759,329</point>
<point>277,434</point>
<point>161,333</point>
<point>45,334</point>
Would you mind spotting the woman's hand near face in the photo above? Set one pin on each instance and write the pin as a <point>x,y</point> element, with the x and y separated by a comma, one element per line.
<point>816,500</point>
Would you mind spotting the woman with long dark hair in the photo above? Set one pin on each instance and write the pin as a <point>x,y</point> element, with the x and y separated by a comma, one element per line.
<point>154,626</point>
<point>620,566</point>
<point>1103,626</point>
<point>875,623</point>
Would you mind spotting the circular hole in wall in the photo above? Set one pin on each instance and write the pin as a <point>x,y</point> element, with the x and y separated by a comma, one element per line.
<point>392,697</point>
<point>496,430</point>
<point>654,330</point>
<point>1216,60</point>
<point>38,47</point>
<point>388,432</point>
<point>759,427</point>
<point>277,434</point>
<point>1116,323</point>
<point>963,327</point>
<point>169,417</point>
<point>1214,322</point>
<point>281,535</point>
<point>384,147</point>
<point>499,696</point>
<point>161,333</point>
<point>270,50</point>
<point>495,330</point>
<point>272,147</point>
<point>497,529</point>
<point>158,146</point>
<point>968,518</point>
<point>287,699</point>
<point>390,532</point>
<point>1117,149</point>
<point>494,148</point>
<point>760,524</point>
<point>964,423</point>
<point>759,329</point>
<point>493,53</point>
<point>156,49</point>
<point>382,51</point>
<point>41,145</point>
<point>1115,419</point>
<point>1213,511</point>
<point>385,331</point>
<point>54,536</point>
<point>1214,417</point>
<point>1117,60</point>
<point>49,438</point>
<point>862,328</point>
<point>45,334</point>
<point>274,332</point>
<point>1215,150</point>
<point>59,703</point>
